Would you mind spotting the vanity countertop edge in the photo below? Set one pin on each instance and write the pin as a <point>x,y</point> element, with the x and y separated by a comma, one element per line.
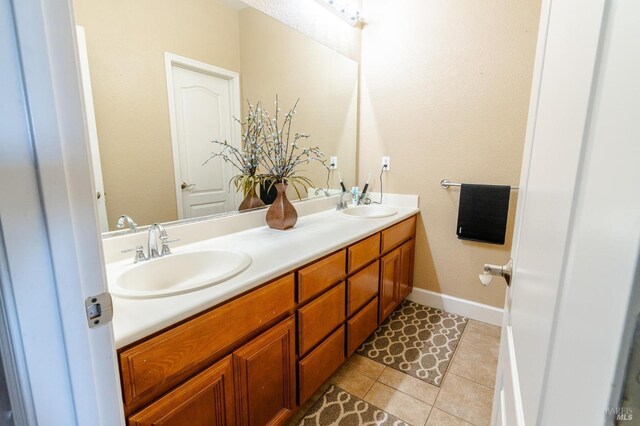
<point>274,254</point>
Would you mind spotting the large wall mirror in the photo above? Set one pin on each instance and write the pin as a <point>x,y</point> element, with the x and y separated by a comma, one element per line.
<point>167,78</point>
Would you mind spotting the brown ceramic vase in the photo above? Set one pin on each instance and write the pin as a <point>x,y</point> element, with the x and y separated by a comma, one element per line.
<point>251,200</point>
<point>281,214</point>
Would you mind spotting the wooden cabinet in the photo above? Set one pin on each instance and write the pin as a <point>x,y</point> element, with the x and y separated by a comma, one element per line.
<point>205,400</point>
<point>236,364</point>
<point>158,364</point>
<point>265,376</point>
<point>254,386</point>
<point>396,278</point>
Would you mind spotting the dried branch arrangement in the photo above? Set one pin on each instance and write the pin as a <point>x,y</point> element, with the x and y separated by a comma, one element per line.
<point>247,158</point>
<point>270,152</point>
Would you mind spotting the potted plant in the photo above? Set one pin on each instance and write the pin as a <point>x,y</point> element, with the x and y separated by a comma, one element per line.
<point>247,158</point>
<point>282,154</point>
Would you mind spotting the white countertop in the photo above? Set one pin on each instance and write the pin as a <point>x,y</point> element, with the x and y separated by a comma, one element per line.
<point>274,253</point>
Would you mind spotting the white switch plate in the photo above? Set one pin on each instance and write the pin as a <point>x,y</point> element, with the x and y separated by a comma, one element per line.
<point>386,163</point>
<point>333,163</point>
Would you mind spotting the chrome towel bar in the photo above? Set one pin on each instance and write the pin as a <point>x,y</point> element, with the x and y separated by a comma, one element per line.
<point>445,184</point>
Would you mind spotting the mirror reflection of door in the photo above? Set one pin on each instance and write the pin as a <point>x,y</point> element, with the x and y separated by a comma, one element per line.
<point>202,104</point>
<point>96,165</point>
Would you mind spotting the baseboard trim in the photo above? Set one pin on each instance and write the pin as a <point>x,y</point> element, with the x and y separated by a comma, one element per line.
<point>458,306</point>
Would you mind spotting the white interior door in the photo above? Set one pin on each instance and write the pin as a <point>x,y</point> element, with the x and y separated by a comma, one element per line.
<point>202,109</point>
<point>543,379</point>
<point>96,165</point>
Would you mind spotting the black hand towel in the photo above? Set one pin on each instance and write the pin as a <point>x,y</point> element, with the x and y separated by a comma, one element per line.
<point>482,215</point>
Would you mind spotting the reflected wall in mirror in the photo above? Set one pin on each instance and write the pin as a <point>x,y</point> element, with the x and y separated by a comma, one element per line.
<point>168,77</point>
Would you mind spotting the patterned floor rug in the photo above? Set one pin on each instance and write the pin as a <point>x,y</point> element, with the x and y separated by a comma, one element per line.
<point>340,408</point>
<point>417,340</point>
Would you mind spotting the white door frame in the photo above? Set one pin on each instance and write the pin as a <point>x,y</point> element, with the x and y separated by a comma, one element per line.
<point>52,242</point>
<point>171,59</point>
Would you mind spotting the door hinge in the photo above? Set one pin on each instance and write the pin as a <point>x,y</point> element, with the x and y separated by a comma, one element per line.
<point>99,309</point>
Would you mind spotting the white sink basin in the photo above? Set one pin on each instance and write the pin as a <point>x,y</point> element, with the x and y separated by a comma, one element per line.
<point>178,273</point>
<point>369,212</point>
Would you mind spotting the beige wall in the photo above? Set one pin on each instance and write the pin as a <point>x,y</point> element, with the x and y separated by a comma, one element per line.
<point>279,60</point>
<point>126,41</point>
<point>445,90</point>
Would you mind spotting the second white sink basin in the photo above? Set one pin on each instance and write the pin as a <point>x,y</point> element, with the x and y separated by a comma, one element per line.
<point>178,273</point>
<point>369,212</point>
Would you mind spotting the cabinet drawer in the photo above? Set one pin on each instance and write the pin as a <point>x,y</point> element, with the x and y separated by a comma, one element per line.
<point>361,287</point>
<point>206,399</point>
<point>154,366</point>
<point>317,319</point>
<point>363,252</point>
<point>393,236</point>
<point>316,367</point>
<point>361,326</point>
<point>315,278</point>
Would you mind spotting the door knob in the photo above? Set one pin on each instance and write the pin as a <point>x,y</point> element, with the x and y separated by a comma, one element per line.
<point>490,270</point>
<point>185,185</point>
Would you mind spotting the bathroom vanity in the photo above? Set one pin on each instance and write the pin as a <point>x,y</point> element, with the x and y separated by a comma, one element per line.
<point>254,358</point>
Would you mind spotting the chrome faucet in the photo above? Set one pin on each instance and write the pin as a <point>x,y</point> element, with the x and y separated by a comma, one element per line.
<point>156,230</point>
<point>326,192</point>
<point>342,204</point>
<point>124,218</point>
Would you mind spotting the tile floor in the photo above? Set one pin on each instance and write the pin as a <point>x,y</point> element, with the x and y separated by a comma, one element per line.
<point>465,397</point>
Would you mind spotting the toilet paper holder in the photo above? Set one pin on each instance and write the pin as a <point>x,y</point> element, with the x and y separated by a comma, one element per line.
<point>491,270</point>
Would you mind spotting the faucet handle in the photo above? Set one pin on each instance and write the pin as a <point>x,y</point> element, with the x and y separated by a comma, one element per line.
<point>165,245</point>
<point>140,256</point>
<point>342,204</point>
<point>365,199</point>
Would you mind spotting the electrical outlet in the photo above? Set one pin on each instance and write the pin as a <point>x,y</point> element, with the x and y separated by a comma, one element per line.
<point>333,163</point>
<point>386,161</point>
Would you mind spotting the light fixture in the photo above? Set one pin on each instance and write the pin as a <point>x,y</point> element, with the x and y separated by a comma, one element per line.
<point>349,14</point>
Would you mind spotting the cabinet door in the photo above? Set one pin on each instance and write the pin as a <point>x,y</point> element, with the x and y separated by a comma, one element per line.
<point>206,400</point>
<point>407,253</point>
<point>389,278</point>
<point>265,376</point>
